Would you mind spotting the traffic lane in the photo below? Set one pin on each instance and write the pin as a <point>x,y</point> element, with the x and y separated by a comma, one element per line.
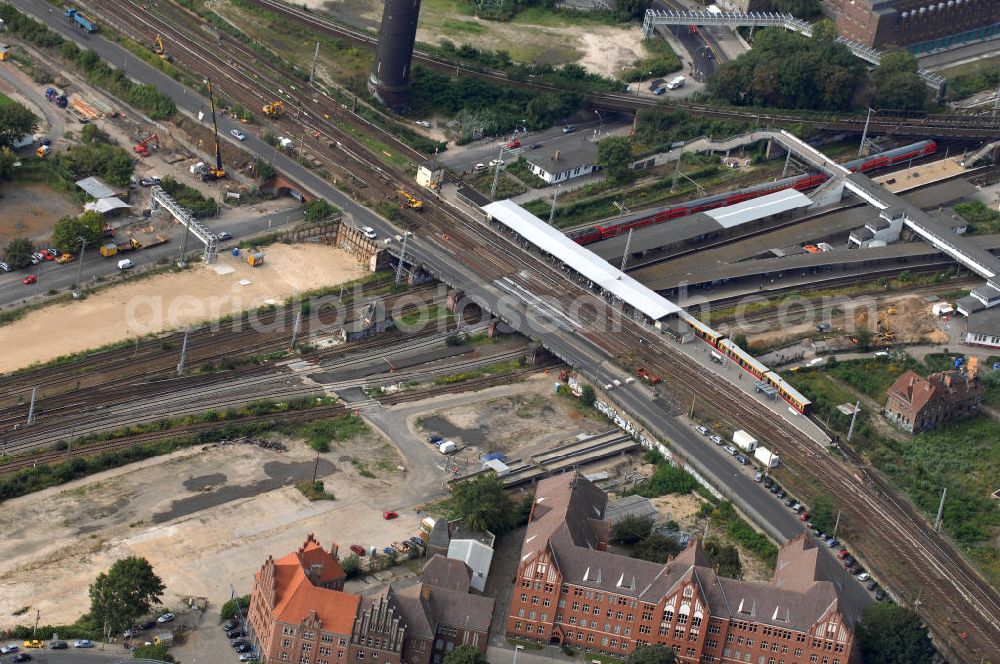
<point>31,92</point>
<point>102,654</point>
<point>695,39</point>
<point>53,276</point>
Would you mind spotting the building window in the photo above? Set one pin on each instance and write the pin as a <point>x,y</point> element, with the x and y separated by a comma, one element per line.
<point>307,636</point>
<point>361,654</point>
<point>286,643</point>
<point>284,656</point>
<point>524,597</point>
<point>326,638</point>
<point>306,648</point>
<point>303,659</point>
<point>534,599</point>
<point>546,602</point>
<point>689,652</point>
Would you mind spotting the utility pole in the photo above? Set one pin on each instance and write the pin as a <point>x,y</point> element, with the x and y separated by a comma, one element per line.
<point>677,171</point>
<point>496,174</point>
<point>402,257</point>
<point>836,524</point>
<point>31,408</point>
<point>184,243</point>
<point>295,329</point>
<point>628,243</point>
<point>788,158</point>
<point>555,195</point>
<point>693,399</point>
<point>312,72</point>
<point>940,514</point>
<point>78,293</point>
<point>996,104</point>
<point>184,347</point>
<point>864,134</point>
<point>34,629</point>
<point>850,430</point>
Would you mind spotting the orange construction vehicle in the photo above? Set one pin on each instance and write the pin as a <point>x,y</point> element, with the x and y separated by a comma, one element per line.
<point>142,147</point>
<point>648,376</point>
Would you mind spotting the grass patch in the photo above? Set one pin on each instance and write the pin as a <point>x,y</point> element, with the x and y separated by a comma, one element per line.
<point>741,532</point>
<point>424,315</point>
<point>982,220</point>
<point>507,186</point>
<point>463,26</point>
<point>21,611</point>
<point>972,77</point>
<point>522,171</point>
<point>320,433</point>
<point>492,369</point>
<point>314,490</point>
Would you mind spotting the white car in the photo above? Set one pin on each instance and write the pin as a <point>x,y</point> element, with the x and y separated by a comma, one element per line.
<point>495,162</point>
<point>479,167</point>
<point>83,643</point>
<point>864,576</point>
<point>8,649</point>
<point>715,439</point>
<point>368,232</point>
<point>166,617</point>
<point>247,657</point>
<point>424,123</point>
<point>125,264</point>
<point>238,135</point>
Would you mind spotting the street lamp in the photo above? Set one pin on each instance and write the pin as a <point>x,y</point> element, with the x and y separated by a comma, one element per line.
<point>516,648</point>
<point>78,293</point>
<point>601,125</point>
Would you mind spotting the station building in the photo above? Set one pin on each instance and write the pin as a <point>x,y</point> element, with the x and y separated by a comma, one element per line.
<point>570,590</point>
<point>918,25</point>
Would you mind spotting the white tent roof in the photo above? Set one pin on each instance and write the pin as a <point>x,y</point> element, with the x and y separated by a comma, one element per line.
<point>95,187</point>
<point>581,259</point>
<point>758,208</point>
<point>106,205</point>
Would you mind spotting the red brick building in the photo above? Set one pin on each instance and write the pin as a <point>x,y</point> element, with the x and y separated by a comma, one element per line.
<point>570,590</point>
<point>915,403</point>
<point>300,613</point>
<point>924,24</point>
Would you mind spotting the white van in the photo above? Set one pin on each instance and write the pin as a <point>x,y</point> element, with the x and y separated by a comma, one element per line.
<point>447,447</point>
<point>676,82</point>
<point>480,167</point>
<point>125,264</point>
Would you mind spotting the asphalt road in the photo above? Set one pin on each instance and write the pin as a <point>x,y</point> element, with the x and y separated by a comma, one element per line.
<point>72,655</point>
<point>574,349</point>
<point>52,276</point>
<point>702,48</point>
<point>465,158</point>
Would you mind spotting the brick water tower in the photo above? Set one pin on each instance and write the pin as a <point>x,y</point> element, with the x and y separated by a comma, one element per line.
<point>390,78</point>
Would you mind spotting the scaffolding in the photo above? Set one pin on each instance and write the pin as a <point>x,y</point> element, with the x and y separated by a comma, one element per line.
<point>162,200</point>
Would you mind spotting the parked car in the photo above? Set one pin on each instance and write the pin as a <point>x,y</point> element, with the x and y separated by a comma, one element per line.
<point>235,633</point>
<point>702,430</point>
<point>843,553</point>
<point>742,459</point>
<point>768,482</point>
<point>715,438</point>
<point>513,145</point>
<point>247,657</point>
<point>149,182</point>
<point>20,657</point>
<point>479,167</point>
<point>4,267</point>
<point>730,449</point>
<point>357,550</point>
<point>832,543</point>
<point>871,585</point>
<point>238,135</point>
<point>149,624</point>
<point>864,576</point>
<point>49,254</point>
<point>569,129</point>
<point>166,617</point>
<point>8,649</point>
<point>804,516</point>
<point>83,643</point>
<point>224,236</point>
<point>58,645</point>
<point>416,541</point>
<point>781,494</point>
<point>125,264</point>
<point>30,279</point>
<point>389,515</point>
<point>758,476</point>
<point>434,439</point>
<point>879,595</point>
<point>789,502</point>
<point>243,648</point>
<point>228,625</point>
<point>424,123</point>
<point>368,232</point>
<point>388,550</point>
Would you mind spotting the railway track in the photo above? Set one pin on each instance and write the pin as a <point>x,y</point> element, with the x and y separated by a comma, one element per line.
<point>975,126</point>
<point>952,590</point>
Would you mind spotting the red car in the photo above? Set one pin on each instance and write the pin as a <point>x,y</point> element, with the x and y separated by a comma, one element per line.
<point>50,254</point>
<point>28,280</point>
<point>357,550</point>
<point>389,515</point>
<point>842,553</point>
<point>514,144</point>
<point>804,516</point>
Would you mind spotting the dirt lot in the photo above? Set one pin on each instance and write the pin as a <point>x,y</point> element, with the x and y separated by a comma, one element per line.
<point>204,519</point>
<point>172,300</point>
<point>519,425</point>
<point>600,48</point>
<point>31,210</point>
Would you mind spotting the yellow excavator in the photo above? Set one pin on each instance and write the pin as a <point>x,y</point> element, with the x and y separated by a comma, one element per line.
<point>275,109</point>
<point>218,172</point>
<point>411,202</point>
<point>160,49</point>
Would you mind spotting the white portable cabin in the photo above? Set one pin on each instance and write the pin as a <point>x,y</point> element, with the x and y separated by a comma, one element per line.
<point>766,457</point>
<point>744,441</point>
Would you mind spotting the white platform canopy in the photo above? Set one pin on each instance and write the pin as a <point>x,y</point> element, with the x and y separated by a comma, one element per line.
<point>580,259</point>
<point>759,208</point>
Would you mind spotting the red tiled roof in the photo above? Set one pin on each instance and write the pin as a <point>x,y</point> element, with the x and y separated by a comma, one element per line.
<point>311,553</point>
<point>296,596</point>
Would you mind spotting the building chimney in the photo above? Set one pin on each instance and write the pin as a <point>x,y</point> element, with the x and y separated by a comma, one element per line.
<point>334,549</point>
<point>555,157</point>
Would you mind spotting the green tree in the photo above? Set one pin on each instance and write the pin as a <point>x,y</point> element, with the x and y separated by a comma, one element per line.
<point>891,634</point>
<point>614,156</point>
<point>233,606</point>
<point>18,252</point>
<point>158,653</point>
<point>800,8</point>
<point>632,528</point>
<point>897,83</point>
<point>656,547</point>
<point>351,566</point>
<point>627,10</point>
<point>125,593</point>
<point>465,654</point>
<point>726,557</point>
<point>651,654</point>
<point>7,161</point>
<point>482,503</point>
<point>318,209</point>
<point>15,121</point>
<point>821,513</point>
<point>740,340</point>
<point>587,395</point>
<point>68,231</point>
<point>265,171</point>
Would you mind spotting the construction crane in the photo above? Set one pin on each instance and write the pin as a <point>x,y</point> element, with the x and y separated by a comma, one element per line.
<point>218,172</point>
<point>142,147</point>
<point>275,109</point>
<point>159,48</point>
<point>411,202</point>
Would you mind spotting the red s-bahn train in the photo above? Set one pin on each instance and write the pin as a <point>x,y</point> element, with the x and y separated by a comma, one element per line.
<point>799,182</point>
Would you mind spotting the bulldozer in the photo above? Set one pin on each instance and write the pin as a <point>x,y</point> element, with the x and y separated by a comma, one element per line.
<point>884,330</point>
<point>275,109</point>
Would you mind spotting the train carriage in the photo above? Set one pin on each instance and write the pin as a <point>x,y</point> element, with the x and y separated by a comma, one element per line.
<point>747,361</point>
<point>701,330</point>
<point>787,392</point>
